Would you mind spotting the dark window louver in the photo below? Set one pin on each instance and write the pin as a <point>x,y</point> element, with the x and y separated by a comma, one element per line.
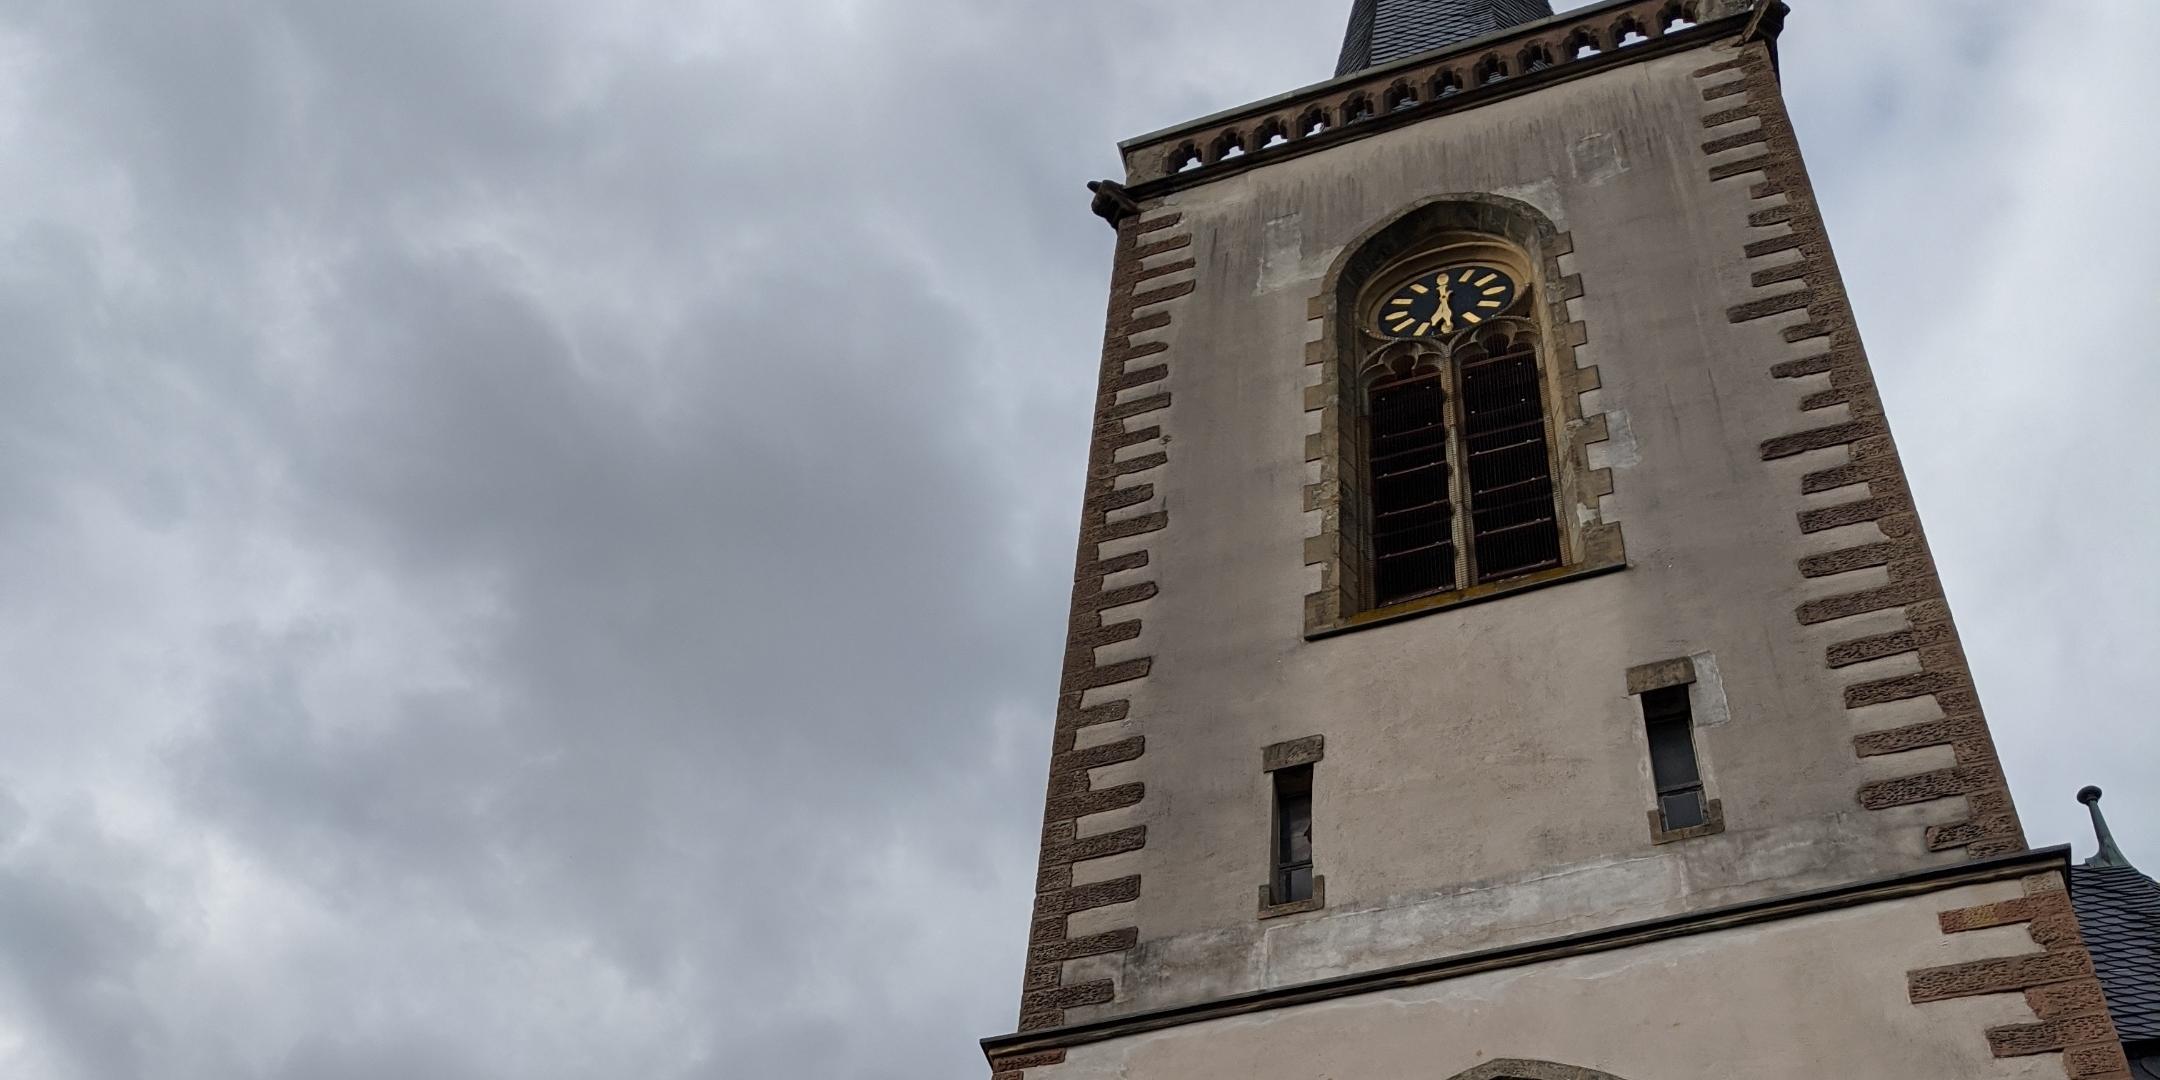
<point>1413,519</point>
<point>1498,467</point>
<point>1513,527</point>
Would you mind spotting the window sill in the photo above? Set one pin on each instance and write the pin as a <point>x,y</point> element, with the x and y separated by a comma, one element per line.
<point>1476,594</point>
<point>1713,824</point>
<point>1297,907</point>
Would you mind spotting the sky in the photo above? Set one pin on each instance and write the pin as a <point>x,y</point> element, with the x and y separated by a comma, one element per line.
<point>534,534</point>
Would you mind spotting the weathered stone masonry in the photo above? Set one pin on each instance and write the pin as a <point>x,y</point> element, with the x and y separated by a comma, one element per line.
<point>2058,983</point>
<point>1855,496</point>
<point>1753,140</point>
<point>1147,276</point>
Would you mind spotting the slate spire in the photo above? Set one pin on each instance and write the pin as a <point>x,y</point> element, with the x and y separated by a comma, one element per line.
<point>1384,30</point>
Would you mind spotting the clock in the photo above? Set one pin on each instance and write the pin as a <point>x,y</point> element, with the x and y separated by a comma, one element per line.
<point>1444,301</point>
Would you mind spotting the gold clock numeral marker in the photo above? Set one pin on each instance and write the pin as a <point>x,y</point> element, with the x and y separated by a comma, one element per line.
<point>1419,289</point>
<point>1488,303</point>
<point>1467,274</point>
<point>1422,327</point>
<point>1483,281</point>
<point>1403,302</point>
<point>1471,317</point>
<point>1496,290</point>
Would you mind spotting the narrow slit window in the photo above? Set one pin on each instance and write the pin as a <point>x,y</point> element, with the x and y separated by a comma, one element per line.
<point>1673,767</point>
<point>1293,878</point>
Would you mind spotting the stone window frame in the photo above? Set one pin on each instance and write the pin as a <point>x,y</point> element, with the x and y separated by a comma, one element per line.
<point>1590,545</point>
<point>1664,675</point>
<point>1289,755</point>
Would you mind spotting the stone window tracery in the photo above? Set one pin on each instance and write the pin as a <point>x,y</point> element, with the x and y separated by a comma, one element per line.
<point>1452,443</point>
<point>1458,450</point>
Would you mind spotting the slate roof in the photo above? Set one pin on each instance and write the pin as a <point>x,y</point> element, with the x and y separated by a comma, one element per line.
<point>1384,30</point>
<point>2119,911</point>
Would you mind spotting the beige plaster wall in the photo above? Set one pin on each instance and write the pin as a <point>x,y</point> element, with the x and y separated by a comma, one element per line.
<point>1486,780</point>
<point>1803,999</point>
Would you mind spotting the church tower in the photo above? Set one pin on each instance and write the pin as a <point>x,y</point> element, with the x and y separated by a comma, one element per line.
<point>1503,644</point>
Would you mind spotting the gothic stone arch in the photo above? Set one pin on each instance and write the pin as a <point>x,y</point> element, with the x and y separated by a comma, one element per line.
<point>1594,545</point>
<point>1517,1069</point>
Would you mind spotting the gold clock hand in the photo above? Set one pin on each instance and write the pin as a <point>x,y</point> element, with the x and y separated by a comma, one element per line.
<point>1447,310</point>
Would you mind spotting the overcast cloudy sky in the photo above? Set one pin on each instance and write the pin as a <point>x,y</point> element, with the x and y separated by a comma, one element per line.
<point>534,533</point>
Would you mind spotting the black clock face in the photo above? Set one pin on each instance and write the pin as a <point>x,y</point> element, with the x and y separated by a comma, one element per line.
<point>1444,301</point>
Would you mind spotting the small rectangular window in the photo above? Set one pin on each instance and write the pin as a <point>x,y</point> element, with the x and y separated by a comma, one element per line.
<point>1293,882</point>
<point>1672,757</point>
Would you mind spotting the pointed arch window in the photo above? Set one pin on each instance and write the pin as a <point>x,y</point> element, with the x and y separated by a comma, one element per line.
<point>1459,447</point>
<point>1452,446</point>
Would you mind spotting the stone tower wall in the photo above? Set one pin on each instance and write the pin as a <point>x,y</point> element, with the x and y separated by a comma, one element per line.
<point>1481,776</point>
<point>1485,774</point>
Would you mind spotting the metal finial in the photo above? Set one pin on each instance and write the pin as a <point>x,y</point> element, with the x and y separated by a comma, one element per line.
<point>2109,854</point>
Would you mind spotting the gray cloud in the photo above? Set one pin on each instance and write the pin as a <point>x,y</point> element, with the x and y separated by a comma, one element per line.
<point>537,533</point>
